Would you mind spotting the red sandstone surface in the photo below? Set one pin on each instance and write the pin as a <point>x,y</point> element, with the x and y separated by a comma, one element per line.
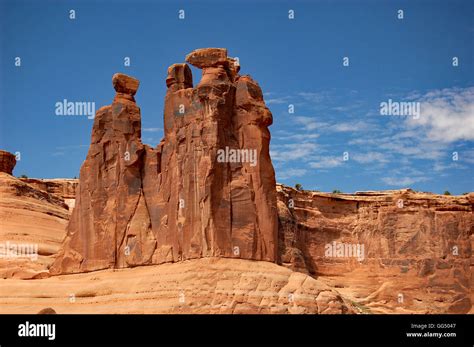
<point>415,249</point>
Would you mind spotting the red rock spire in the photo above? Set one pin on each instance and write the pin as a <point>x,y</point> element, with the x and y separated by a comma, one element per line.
<point>184,199</point>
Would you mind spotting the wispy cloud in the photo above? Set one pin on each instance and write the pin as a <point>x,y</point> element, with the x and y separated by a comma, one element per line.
<point>370,157</point>
<point>447,115</point>
<point>290,173</point>
<point>351,126</point>
<point>293,151</point>
<point>295,136</point>
<point>62,150</point>
<point>328,162</point>
<point>405,176</point>
<point>309,123</point>
<point>71,147</point>
<point>278,101</point>
<point>403,181</point>
<point>467,156</point>
<point>313,97</point>
<point>152,130</point>
<point>447,118</point>
<point>398,151</point>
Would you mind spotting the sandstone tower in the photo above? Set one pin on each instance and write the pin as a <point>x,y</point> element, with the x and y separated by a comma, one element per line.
<point>139,205</point>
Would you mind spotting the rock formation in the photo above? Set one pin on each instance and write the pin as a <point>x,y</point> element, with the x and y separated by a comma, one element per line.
<point>198,286</point>
<point>411,252</point>
<point>7,162</point>
<point>208,191</point>
<point>32,227</point>
<point>407,274</point>
<point>188,197</point>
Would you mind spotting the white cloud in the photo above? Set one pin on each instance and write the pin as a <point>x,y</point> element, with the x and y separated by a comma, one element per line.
<point>351,126</point>
<point>405,176</point>
<point>151,130</point>
<point>447,115</point>
<point>370,157</point>
<point>466,156</point>
<point>296,137</point>
<point>292,151</point>
<point>413,148</point>
<point>326,162</point>
<point>446,125</point>
<point>277,101</point>
<point>309,123</point>
<point>313,97</point>
<point>403,181</point>
<point>290,173</point>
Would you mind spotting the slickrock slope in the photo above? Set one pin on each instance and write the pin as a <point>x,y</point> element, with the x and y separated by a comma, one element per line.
<point>411,252</point>
<point>184,199</point>
<point>210,285</point>
<point>32,228</point>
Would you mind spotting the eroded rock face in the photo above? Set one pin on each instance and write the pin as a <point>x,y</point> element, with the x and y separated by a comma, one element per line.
<point>179,77</point>
<point>7,162</point>
<point>64,188</point>
<point>394,251</point>
<point>208,189</point>
<point>207,57</point>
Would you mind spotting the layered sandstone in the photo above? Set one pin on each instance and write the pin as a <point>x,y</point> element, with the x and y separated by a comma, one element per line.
<point>416,247</point>
<point>64,188</point>
<point>138,205</point>
<point>199,286</point>
<point>32,228</point>
<point>382,281</point>
<point>33,218</point>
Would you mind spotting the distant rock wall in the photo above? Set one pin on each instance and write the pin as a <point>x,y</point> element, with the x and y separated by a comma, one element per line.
<point>31,219</point>
<point>421,243</point>
<point>64,188</point>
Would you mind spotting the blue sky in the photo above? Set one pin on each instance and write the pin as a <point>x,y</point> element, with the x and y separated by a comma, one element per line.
<point>297,62</point>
